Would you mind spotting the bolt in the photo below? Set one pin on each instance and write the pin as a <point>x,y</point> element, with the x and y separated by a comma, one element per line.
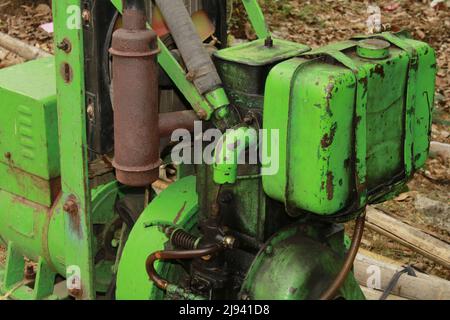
<point>65,45</point>
<point>86,15</point>
<point>202,115</point>
<point>229,241</point>
<point>76,293</point>
<point>71,206</point>
<point>30,274</point>
<point>206,258</point>
<point>245,296</point>
<point>91,111</point>
<point>268,42</point>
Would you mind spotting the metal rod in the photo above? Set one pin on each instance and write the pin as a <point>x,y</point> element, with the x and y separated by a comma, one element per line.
<point>174,255</point>
<point>348,263</point>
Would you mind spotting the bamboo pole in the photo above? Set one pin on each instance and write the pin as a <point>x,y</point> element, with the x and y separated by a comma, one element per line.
<point>21,48</point>
<point>368,267</point>
<point>413,238</point>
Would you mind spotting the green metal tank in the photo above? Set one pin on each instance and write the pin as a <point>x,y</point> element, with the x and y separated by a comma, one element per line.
<point>354,120</point>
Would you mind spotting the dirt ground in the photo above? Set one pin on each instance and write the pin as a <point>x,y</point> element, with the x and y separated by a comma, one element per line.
<point>425,203</point>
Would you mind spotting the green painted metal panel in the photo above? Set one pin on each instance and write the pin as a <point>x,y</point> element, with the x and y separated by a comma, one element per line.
<point>255,53</point>
<point>328,98</point>
<point>299,263</point>
<point>256,18</point>
<point>29,123</point>
<point>177,204</point>
<point>70,82</point>
<point>424,104</point>
<point>28,186</point>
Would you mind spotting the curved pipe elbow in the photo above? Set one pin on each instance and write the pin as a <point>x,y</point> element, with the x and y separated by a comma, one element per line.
<point>230,152</point>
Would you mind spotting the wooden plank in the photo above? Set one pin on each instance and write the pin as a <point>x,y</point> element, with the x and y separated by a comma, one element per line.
<point>373,294</point>
<point>440,148</point>
<point>421,287</point>
<point>413,238</point>
<point>21,48</point>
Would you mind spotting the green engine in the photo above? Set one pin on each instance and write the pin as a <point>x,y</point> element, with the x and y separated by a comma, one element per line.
<point>306,139</point>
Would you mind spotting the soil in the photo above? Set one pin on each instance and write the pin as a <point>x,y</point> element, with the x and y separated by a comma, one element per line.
<point>317,23</point>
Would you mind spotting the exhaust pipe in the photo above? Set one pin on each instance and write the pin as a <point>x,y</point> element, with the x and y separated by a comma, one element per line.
<point>135,98</point>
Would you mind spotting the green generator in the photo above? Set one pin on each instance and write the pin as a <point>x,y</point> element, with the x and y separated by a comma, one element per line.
<point>304,139</point>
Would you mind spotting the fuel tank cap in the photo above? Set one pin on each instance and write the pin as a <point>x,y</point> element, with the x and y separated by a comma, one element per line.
<point>373,49</point>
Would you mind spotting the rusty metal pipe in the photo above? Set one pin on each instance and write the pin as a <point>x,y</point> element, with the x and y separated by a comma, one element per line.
<point>134,4</point>
<point>135,98</point>
<point>174,255</point>
<point>171,121</point>
<point>349,260</point>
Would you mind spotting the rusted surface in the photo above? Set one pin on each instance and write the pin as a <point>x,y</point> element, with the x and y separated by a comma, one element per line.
<point>330,186</point>
<point>328,138</point>
<point>379,70</point>
<point>135,82</point>
<point>72,208</point>
<point>76,293</point>
<point>65,45</point>
<point>171,121</point>
<point>66,72</point>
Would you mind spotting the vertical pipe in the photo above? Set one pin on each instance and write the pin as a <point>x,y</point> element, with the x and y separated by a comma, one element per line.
<point>135,97</point>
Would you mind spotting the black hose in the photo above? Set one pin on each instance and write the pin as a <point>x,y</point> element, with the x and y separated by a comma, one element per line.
<point>196,58</point>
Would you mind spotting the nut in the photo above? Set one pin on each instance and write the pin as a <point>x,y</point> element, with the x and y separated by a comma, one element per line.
<point>71,206</point>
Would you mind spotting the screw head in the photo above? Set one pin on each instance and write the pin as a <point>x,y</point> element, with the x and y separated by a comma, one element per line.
<point>269,250</point>
<point>86,15</point>
<point>202,115</point>
<point>229,241</point>
<point>65,45</point>
<point>71,206</point>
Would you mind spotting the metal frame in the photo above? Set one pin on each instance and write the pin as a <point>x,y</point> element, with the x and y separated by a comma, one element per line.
<point>71,97</point>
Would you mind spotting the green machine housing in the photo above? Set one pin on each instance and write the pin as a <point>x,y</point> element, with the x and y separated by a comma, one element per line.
<point>353,120</point>
<point>29,148</point>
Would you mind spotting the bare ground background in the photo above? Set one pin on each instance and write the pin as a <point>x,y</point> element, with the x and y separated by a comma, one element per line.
<point>425,203</point>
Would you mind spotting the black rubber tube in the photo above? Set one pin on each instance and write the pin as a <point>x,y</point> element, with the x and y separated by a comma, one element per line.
<point>197,60</point>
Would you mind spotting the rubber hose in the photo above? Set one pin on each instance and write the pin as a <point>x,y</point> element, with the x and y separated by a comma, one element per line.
<point>348,263</point>
<point>197,60</point>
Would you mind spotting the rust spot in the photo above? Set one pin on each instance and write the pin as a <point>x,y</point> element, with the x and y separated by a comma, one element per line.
<point>66,72</point>
<point>76,293</point>
<point>72,208</point>
<point>330,187</point>
<point>364,81</point>
<point>329,91</point>
<point>328,139</point>
<point>178,216</point>
<point>379,69</point>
